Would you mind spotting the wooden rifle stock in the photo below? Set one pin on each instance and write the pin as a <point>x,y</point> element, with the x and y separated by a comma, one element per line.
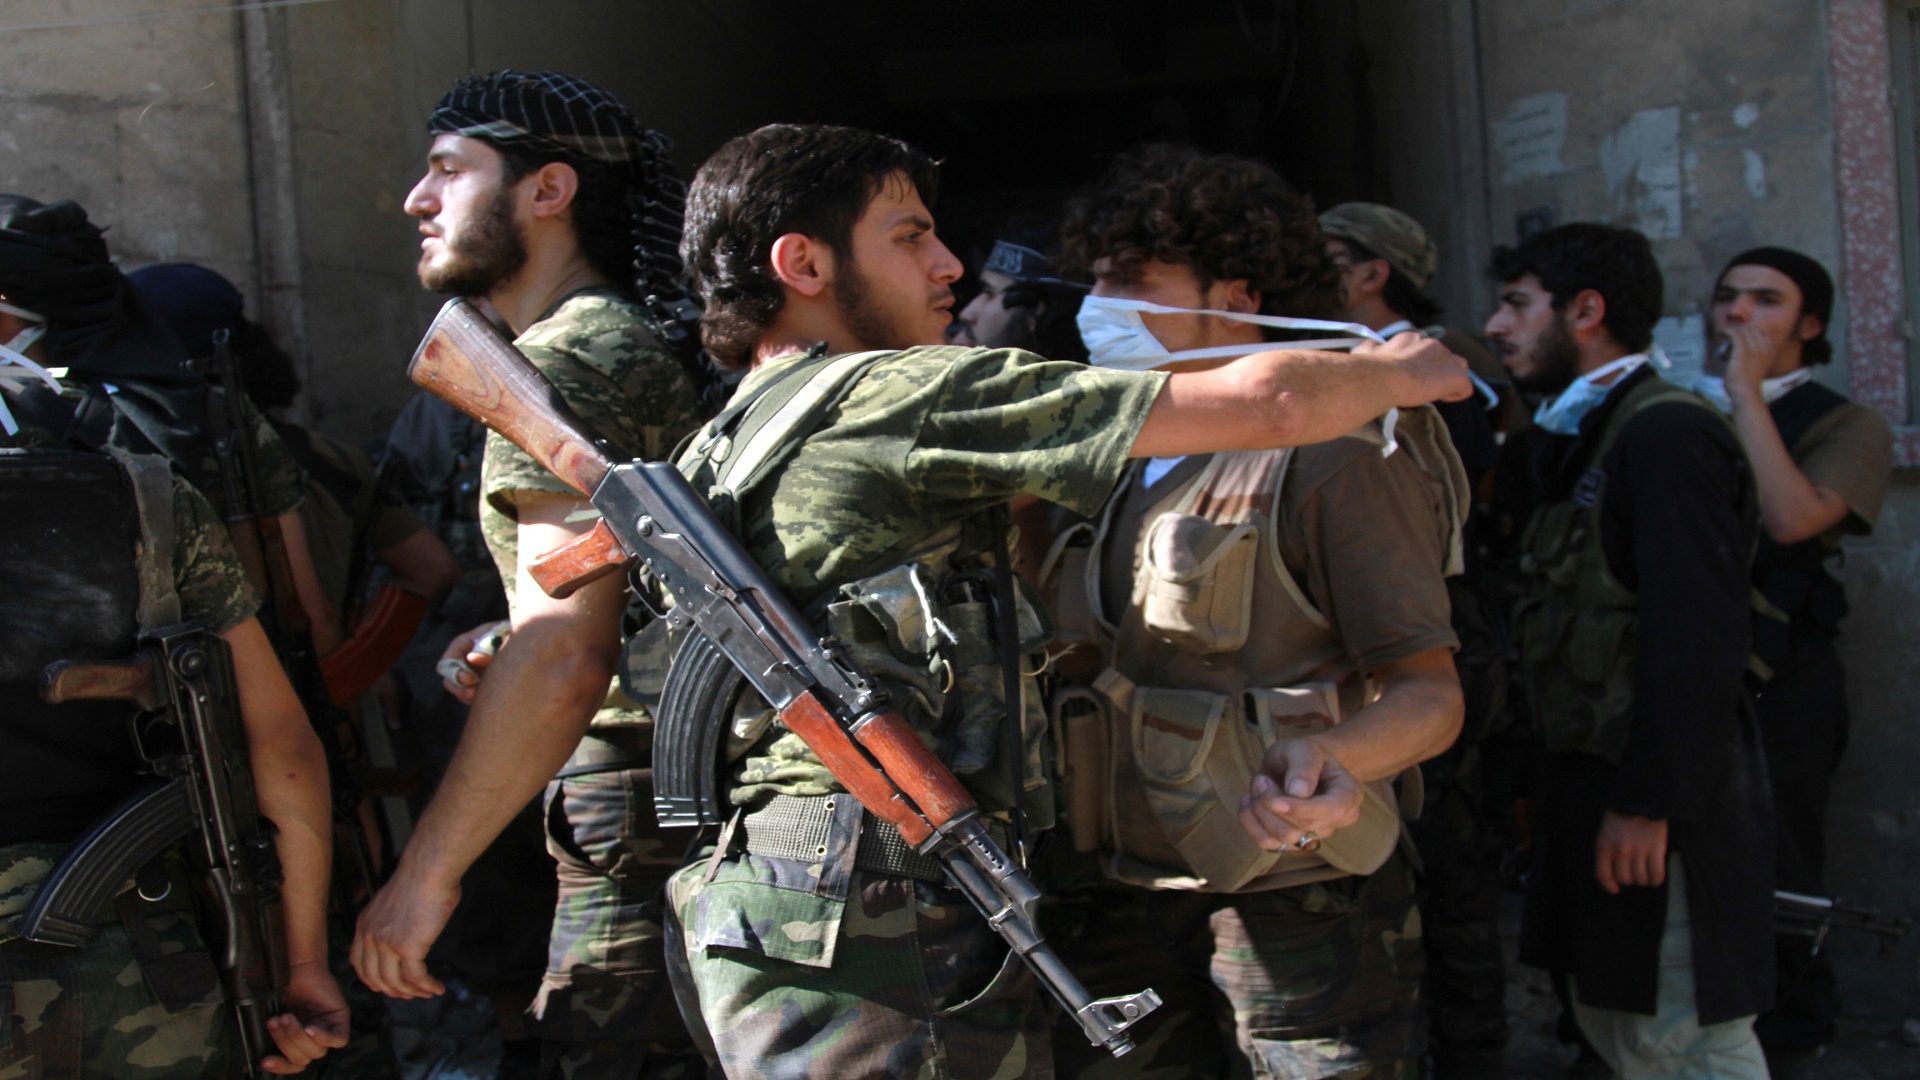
<point>469,364</point>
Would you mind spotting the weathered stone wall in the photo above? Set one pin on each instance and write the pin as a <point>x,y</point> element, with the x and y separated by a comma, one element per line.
<point>1711,127</point>
<point>138,120</point>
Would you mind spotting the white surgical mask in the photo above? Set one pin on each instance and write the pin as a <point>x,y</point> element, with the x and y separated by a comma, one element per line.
<point>16,370</point>
<point>1562,415</point>
<point>1117,338</point>
<point>1714,388</point>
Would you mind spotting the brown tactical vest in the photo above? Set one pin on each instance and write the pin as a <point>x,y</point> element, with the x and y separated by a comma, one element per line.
<point>1218,654</point>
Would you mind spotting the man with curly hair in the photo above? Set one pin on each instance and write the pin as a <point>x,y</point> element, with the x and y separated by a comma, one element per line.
<point>1263,617</point>
<point>816,942</point>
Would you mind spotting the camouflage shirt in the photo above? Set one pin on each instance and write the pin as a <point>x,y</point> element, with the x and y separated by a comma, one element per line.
<point>595,349</point>
<point>924,440</point>
<point>206,571</point>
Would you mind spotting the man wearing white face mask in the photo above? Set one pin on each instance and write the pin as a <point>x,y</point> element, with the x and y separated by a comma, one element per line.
<point>1260,621</point>
<point>1652,881</point>
<point>1822,465</point>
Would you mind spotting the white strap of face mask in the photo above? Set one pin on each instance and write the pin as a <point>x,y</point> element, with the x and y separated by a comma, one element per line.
<point>11,356</point>
<point>1263,346</point>
<point>22,313</point>
<point>1283,322</point>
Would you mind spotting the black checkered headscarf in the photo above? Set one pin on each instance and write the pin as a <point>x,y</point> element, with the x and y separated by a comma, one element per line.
<point>549,116</point>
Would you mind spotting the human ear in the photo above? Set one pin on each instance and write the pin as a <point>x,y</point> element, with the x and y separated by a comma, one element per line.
<point>1234,295</point>
<point>1811,327</point>
<point>1587,311</point>
<point>1371,276</point>
<point>554,186</point>
<point>801,264</point>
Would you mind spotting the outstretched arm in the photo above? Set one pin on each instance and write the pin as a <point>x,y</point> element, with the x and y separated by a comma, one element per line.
<point>1296,398</point>
<point>539,694</point>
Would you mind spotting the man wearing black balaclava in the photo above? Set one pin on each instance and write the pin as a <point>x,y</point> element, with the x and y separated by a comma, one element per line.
<point>1822,464</point>
<point>546,198</point>
<point>129,383</point>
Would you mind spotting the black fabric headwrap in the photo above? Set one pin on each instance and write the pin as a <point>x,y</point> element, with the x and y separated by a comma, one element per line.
<point>1816,285</point>
<point>54,263</point>
<point>547,112</point>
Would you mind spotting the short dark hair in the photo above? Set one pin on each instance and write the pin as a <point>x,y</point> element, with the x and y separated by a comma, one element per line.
<point>1401,295</point>
<point>813,179</point>
<point>1225,217</point>
<point>1614,262</point>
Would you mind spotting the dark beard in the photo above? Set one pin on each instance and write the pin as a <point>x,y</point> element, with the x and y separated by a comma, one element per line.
<point>1557,358</point>
<point>871,329</point>
<point>482,257</point>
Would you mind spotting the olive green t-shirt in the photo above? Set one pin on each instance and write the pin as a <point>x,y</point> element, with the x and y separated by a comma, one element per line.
<point>1849,451</point>
<point>926,438</point>
<point>594,347</point>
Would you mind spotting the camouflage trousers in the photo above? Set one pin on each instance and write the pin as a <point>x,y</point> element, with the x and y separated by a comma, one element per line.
<point>605,1008</point>
<point>1319,980</point>
<point>818,969</point>
<point>140,1001</point>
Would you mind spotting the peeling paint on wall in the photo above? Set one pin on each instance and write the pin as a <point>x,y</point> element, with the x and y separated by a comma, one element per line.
<point>1755,172</point>
<point>1684,339</point>
<point>1746,114</point>
<point>1532,136</point>
<point>1641,162</point>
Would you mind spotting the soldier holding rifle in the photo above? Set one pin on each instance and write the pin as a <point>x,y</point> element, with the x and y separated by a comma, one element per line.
<point>97,551</point>
<point>820,939</point>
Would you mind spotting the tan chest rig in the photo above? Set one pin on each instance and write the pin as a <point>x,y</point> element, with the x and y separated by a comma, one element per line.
<point>1219,654</point>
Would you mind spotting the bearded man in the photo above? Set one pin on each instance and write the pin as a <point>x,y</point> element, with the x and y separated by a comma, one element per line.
<point>1653,874</point>
<point>544,197</point>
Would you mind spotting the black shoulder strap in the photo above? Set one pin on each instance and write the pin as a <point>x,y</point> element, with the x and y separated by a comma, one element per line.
<point>1801,408</point>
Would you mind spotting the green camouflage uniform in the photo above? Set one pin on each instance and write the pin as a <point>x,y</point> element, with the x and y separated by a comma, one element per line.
<point>604,1007</point>
<point>99,1011</point>
<point>818,968</point>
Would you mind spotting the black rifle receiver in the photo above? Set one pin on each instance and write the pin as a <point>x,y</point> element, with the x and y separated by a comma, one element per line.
<point>191,735</point>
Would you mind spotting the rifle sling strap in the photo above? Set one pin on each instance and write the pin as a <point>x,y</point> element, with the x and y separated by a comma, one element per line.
<point>180,978</point>
<point>152,480</point>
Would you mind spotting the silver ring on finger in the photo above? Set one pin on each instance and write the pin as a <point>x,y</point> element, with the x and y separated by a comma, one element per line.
<point>1309,841</point>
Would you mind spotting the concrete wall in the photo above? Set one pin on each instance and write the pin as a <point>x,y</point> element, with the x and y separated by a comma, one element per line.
<point>140,121</point>
<point>1710,126</point>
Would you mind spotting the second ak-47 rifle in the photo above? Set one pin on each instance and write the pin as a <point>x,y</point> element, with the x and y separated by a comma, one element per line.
<point>191,736</point>
<point>650,513</point>
<point>263,552</point>
<point>1814,916</point>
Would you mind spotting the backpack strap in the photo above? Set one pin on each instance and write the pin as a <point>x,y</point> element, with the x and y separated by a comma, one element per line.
<point>152,479</point>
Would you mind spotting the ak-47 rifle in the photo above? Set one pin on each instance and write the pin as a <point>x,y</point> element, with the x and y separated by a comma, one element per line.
<point>191,736</point>
<point>263,552</point>
<point>650,513</point>
<point>1814,916</point>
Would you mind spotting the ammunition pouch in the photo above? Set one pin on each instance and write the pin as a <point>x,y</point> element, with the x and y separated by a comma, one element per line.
<point>1194,754</point>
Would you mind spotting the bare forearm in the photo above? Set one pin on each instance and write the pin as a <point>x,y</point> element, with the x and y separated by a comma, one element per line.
<point>532,709</point>
<point>1415,718</point>
<point>421,564</point>
<point>300,808</point>
<point>1792,507</point>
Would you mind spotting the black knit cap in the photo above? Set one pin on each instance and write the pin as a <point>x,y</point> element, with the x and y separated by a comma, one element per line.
<point>1816,285</point>
<point>547,112</point>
